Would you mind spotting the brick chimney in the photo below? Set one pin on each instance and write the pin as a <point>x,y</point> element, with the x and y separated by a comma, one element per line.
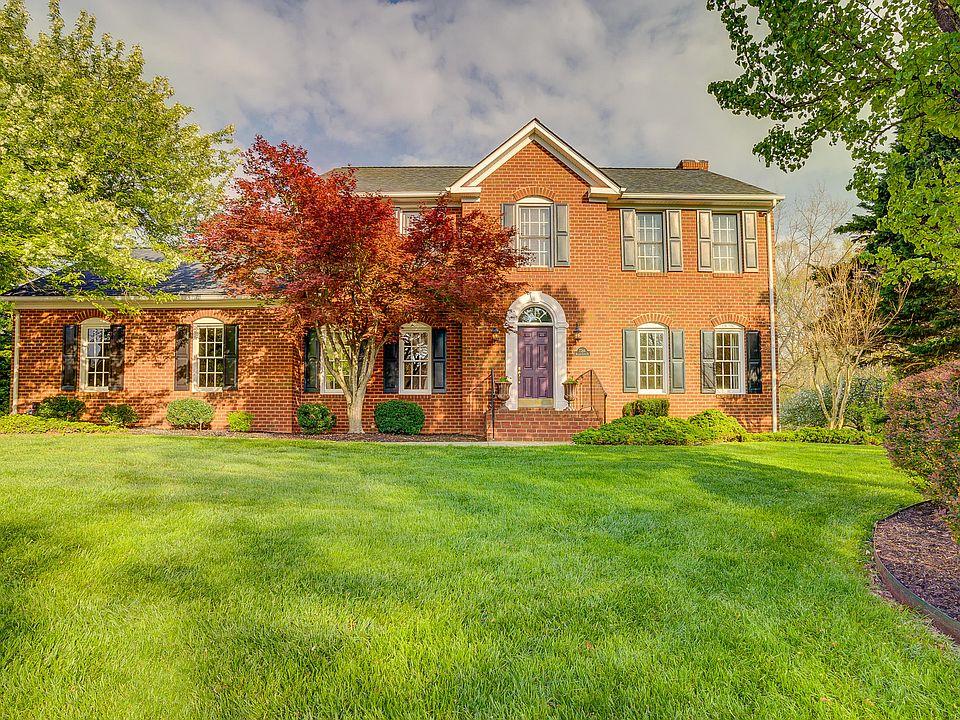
<point>693,165</point>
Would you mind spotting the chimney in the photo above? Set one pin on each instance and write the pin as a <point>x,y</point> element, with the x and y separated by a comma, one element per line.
<point>693,165</point>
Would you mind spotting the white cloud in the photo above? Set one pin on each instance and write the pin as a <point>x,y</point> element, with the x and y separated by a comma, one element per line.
<point>443,82</point>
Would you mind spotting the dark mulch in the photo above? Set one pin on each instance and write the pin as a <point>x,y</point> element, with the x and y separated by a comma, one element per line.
<point>916,546</point>
<point>345,437</point>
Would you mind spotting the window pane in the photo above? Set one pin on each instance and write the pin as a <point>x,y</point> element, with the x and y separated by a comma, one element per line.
<point>210,357</point>
<point>650,359</point>
<point>729,361</point>
<point>98,358</point>
<point>649,230</point>
<point>726,243</point>
<point>415,360</point>
<point>535,316</point>
<point>329,381</point>
<point>533,233</point>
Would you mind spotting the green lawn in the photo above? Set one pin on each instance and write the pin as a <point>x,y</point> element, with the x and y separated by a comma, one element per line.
<point>162,577</point>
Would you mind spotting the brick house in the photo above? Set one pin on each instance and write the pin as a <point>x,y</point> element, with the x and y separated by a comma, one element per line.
<point>641,281</point>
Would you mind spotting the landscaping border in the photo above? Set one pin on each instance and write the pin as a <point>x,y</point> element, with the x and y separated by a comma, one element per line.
<point>904,595</point>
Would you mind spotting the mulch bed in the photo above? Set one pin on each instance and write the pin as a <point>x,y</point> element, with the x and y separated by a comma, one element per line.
<point>343,437</point>
<point>917,547</point>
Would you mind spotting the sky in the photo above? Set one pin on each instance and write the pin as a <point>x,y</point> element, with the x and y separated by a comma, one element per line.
<point>363,82</point>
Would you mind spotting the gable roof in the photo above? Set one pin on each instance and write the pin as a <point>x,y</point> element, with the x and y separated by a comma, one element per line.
<point>604,182</point>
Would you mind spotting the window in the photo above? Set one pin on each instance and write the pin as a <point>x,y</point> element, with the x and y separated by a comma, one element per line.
<point>649,229</point>
<point>726,243</point>
<point>535,315</point>
<point>209,353</point>
<point>415,359</point>
<point>318,379</point>
<point>651,359</point>
<point>728,341</point>
<point>406,218</point>
<point>533,233</point>
<point>95,356</point>
<point>327,381</point>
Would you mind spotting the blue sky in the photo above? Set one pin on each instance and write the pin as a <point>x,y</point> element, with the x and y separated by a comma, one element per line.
<point>429,82</point>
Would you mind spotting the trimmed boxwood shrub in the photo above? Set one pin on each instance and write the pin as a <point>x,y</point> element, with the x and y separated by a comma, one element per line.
<point>315,418</point>
<point>189,413</point>
<point>923,433</point>
<point>240,421</point>
<point>719,426</point>
<point>643,430</point>
<point>31,424</point>
<point>399,417</point>
<point>841,436</point>
<point>653,406</point>
<point>121,415</point>
<point>61,407</point>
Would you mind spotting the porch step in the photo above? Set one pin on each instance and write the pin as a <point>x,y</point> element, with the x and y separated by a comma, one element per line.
<point>539,425</point>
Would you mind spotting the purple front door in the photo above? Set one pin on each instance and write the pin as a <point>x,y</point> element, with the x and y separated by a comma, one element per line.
<point>535,350</point>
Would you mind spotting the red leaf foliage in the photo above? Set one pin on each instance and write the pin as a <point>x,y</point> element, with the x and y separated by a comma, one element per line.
<point>332,256</point>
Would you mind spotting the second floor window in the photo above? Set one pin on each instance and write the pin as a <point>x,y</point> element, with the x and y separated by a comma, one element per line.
<point>649,242</point>
<point>533,233</point>
<point>726,243</point>
<point>406,219</point>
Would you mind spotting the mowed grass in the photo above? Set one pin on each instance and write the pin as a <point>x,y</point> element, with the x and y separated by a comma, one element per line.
<point>172,577</point>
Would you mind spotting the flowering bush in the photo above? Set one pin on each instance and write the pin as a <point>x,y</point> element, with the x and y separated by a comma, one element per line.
<point>923,432</point>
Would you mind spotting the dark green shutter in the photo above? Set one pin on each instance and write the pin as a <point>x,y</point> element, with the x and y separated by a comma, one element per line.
<point>311,361</point>
<point>678,380</point>
<point>750,245</point>
<point>439,360</point>
<point>391,368</point>
<point>231,355</point>
<point>754,363</point>
<point>561,235</point>
<point>630,360</point>
<point>708,363</point>
<point>628,240</point>
<point>674,241</point>
<point>117,345</point>
<point>704,241</point>
<point>68,378</point>
<point>181,354</point>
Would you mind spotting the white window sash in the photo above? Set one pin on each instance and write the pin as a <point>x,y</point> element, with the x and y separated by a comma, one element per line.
<point>405,333</point>
<point>541,257</point>
<point>740,372</point>
<point>664,362</point>
<point>199,329</point>
<point>85,357</point>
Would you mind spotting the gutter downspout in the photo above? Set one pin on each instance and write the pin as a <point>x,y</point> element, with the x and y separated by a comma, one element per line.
<point>15,382</point>
<point>773,322</point>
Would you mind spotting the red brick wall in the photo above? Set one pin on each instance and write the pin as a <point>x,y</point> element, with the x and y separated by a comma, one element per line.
<point>594,292</point>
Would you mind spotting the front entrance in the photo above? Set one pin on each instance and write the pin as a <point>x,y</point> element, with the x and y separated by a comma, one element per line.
<point>535,366</point>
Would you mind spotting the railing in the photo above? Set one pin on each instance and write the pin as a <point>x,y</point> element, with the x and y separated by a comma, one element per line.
<point>589,396</point>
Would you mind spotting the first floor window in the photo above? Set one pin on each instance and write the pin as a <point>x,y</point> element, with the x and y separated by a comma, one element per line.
<point>729,359</point>
<point>726,243</point>
<point>649,228</point>
<point>210,355</point>
<point>415,359</point>
<point>95,355</point>
<point>328,353</point>
<point>651,359</point>
<point>533,233</point>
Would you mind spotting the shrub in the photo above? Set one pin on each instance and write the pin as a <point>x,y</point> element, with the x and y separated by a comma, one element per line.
<point>189,413</point>
<point>31,424</point>
<point>61,407</point>
<point>923,432</point>
<point>652,406</point>
<point>841,436</point>
<point>719,426</point>
<point>399,417</point>
<point>121,415</point>
<point>315,418</point>
<point>864,407</point>
<point>240,421</point>
<point>643,430</point>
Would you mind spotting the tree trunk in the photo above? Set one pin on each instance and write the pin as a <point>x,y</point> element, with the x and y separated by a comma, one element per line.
<point>355,412</point>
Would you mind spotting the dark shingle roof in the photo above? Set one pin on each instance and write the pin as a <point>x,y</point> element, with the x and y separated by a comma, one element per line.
<point>435,178</point>
<point>187,279</point>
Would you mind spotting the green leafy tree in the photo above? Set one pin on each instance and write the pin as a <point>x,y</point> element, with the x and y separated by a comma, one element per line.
<point>95,160</point>
<point>926,332</point>
<point>862,74</point>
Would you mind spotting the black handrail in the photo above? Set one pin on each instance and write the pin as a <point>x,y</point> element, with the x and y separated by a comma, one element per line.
<point>590,395</point>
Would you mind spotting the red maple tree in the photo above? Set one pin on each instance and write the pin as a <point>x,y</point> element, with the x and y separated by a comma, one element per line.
<point>335,260</point>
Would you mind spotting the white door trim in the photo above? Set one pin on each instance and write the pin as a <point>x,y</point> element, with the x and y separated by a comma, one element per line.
<point>560,325</point>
